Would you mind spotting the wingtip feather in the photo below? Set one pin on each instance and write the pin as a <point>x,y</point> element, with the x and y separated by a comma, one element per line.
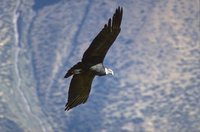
<point>67,107</point>
<point>109,22</point>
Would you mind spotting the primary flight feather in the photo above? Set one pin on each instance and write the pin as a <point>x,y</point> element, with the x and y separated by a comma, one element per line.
<point>92,62</point>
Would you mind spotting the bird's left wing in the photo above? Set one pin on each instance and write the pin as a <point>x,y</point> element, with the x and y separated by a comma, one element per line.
<point>79,89</point>
<point>102,42</point>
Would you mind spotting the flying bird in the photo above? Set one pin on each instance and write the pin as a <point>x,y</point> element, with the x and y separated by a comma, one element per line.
<point>92,62</point>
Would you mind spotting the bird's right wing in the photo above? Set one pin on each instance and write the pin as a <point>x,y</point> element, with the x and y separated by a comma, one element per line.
<point>79,89</point>
<point>102,42</point>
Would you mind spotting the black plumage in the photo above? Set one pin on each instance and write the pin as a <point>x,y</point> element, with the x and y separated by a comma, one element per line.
<point>92,62</point>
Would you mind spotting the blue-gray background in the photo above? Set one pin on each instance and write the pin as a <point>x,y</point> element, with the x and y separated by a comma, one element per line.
<point>156,87</point>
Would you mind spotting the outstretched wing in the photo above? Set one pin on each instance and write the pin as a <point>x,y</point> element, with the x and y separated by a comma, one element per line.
<point>79,89</point>
<point>100,45</point>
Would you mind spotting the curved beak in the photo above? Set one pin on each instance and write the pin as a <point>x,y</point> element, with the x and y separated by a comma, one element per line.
<point>111,72</point>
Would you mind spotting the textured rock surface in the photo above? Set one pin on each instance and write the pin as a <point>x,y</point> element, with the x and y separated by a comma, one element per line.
<point>156,87</point>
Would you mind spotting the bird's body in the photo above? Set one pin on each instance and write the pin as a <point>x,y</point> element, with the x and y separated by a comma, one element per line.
<point>80,67</point>
<point>92,62</point>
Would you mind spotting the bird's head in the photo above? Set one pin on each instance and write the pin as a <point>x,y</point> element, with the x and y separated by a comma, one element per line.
<point>109,71</point>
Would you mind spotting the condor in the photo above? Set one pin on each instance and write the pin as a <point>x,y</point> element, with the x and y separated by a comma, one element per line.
<point>92,62</point>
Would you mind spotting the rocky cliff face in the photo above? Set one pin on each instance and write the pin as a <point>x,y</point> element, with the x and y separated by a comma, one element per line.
<point>155,60</point>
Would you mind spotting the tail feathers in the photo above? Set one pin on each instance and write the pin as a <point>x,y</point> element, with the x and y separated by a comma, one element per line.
<point>68,74</point>
<point>71,72</point>
<point>76,69</point>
